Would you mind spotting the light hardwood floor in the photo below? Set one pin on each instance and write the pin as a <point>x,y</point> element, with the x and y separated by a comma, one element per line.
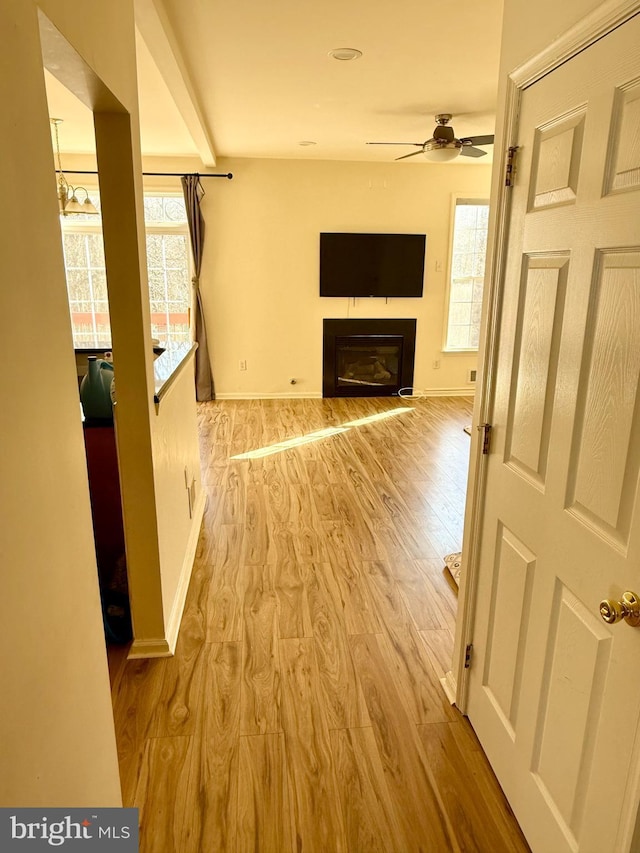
<point>302,710</point>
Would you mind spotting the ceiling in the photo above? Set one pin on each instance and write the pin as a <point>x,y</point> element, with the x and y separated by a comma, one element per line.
<point>162,130</point>
<point>260,78</point>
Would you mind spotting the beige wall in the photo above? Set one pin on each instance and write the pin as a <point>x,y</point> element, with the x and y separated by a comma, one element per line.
<point>57,744</point>
<point>176,463</point>
<point>57,738</point>
<point>260,268</point>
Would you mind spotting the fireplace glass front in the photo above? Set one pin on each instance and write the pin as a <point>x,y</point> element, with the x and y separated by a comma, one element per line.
<point>368,362</point>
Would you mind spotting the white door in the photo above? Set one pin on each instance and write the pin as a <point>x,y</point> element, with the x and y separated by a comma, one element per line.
<point>554,691</point>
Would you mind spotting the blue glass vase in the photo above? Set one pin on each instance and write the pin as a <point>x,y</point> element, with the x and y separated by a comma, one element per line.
<point>95,390</point>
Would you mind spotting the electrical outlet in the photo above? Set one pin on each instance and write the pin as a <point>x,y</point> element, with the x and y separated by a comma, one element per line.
<point>438,266</point>
<point>436,364</point>
<point>243,364</point>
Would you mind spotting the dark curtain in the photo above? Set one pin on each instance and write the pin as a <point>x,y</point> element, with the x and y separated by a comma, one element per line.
<point>193,192</point>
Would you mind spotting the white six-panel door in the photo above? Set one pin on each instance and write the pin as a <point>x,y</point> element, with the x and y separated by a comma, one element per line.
<point>555,691</point>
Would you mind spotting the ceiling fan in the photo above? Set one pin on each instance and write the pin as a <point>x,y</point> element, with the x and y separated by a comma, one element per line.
<point>443,145</point>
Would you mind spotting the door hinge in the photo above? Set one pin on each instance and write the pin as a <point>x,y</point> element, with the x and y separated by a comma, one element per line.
<point>486,438</point>
<point>511,166</point>
<point>468,652</point>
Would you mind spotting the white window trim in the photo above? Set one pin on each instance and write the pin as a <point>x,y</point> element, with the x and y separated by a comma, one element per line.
<point>455,197</point>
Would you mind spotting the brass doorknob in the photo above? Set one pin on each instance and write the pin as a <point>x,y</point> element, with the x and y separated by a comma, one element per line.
<point>628,608</point>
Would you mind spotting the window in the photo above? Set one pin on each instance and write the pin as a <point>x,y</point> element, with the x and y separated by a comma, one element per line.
<point>168,266</point>
<point>468,253</point>
<point>86,284</point>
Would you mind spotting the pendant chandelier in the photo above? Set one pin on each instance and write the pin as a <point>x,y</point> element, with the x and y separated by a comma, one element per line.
<point>68,195</point>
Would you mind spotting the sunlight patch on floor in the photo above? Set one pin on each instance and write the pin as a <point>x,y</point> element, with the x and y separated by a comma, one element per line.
<point>281,446</point>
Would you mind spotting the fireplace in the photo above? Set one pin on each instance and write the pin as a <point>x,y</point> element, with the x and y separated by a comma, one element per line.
<point>367,357</point>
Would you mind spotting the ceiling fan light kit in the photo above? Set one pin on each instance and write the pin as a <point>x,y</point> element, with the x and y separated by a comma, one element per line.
<point>441,153</point>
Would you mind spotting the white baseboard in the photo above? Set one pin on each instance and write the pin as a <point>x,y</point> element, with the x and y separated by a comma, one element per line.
<point>165,647</point>
<point>180,598</point>
<point>259,395</point>
<point>450,687</point>
<point>149,649</point>
<point>466,391</point>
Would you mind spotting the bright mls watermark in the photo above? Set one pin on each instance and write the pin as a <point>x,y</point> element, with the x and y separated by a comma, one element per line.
<point>102,830</point>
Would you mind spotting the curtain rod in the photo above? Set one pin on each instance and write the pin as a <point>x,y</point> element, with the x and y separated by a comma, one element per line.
<point>154,174</point>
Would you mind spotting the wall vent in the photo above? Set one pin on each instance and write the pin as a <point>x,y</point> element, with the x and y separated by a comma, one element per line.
<point>471,375</point>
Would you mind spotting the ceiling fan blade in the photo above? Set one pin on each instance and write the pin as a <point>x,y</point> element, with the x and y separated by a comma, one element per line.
<point>470,151</point>
<point>478,140</point>
<point>413,154</point>
<point>396,143</point>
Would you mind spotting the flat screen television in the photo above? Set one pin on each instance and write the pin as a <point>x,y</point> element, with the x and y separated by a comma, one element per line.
<point>372,264</point>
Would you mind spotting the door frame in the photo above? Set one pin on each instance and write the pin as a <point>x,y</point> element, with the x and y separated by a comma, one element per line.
<point>599,23</point>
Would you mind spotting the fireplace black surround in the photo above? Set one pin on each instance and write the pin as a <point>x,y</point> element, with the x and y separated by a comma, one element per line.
<point>367,357</point>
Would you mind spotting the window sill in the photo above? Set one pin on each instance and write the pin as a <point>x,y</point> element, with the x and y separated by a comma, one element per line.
<point>469,351</point>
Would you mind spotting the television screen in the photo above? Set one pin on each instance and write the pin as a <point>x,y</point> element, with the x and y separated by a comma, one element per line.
<point>371,264</point>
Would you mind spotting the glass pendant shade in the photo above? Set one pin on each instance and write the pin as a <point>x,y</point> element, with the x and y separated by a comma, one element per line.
<point>89,207</point>
<point>73,205</point>
<point>442,153</point>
